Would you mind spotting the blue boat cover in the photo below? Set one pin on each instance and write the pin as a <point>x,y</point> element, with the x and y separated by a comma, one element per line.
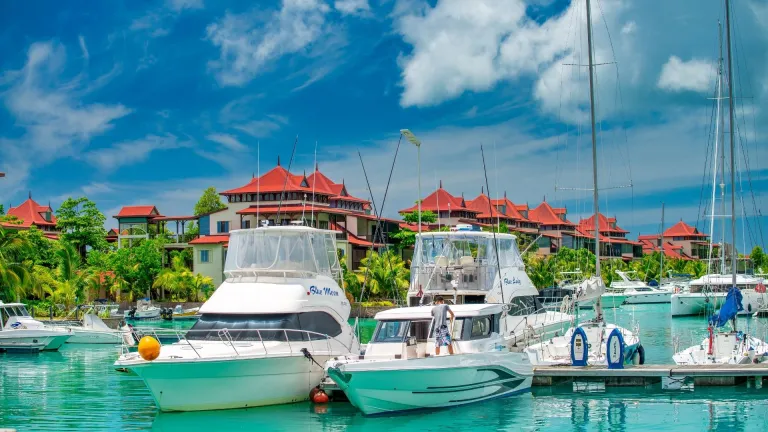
<point>730,308</point>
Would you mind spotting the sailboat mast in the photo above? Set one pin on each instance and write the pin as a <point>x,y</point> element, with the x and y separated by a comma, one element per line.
<point>661,246</point>
<point>731,128</point>
<point>594,140</point>
<point>716,151</point>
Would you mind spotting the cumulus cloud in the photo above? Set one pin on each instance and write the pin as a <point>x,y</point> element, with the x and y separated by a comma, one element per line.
<point>460,46</point>
<point>352,7</point>
<point>693,75</point>
<point>130,152</point>
<point>249,42</point>
<point>50,110</point>
<point>228,141</point>
<point>180,5</point>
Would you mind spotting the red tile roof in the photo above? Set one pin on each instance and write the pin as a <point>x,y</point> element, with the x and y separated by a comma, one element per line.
<point>211,239</point>
<point>606,225</point>
<point>295,208</point>
<point>682,229</point>
<point>138,211</point>
<point>546,215</point>
<point>670,250</point>
<point>275,180</point>
<point>31,213</point>
<point>486,210</point>
<point>440,200</point>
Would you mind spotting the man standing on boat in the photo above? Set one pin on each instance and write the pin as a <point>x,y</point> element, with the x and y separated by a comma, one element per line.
<point>440,318</point>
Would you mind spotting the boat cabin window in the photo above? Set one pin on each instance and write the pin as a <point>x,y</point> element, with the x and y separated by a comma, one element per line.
<point>14,311</point>
<point>391,331</point>
<point>524,305</point>
<point>266,327</point>
<point>471,328</point>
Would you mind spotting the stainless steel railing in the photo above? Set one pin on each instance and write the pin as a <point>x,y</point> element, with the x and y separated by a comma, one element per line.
<point>243,338</point>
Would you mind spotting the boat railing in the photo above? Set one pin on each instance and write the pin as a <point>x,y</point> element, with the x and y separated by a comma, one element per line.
<point>287,340</point>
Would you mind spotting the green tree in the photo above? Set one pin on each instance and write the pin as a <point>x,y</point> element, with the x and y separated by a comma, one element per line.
<point>82,224</point>
<point>136,267</point>
<point>74,282</point>
<point>386,275</point>
<point>181,282</point>
<point>41,250</point>
<point>427,217</point>
<point>500,228</point>
<point>14,276</point>
<point>758,258</point>
<point>209,202</point>
<point>2,210</point>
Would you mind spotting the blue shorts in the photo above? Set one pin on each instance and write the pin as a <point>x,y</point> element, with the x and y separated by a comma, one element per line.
<point>443,337</point>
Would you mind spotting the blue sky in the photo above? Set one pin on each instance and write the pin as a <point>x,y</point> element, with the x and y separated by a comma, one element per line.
<point>150,102</point>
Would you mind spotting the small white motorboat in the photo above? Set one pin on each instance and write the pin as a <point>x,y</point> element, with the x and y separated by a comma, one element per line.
<point>20,332</point>
<point>93,331</point>
<point>708,292</point>
<point>647,295</point>
<point>400,372</point>
<point>144,310</point>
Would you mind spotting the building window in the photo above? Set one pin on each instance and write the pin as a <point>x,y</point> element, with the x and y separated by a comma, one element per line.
<point>205,256</point>
<point>246,224</point>
<point>323,224</point>
<point>222,226</point>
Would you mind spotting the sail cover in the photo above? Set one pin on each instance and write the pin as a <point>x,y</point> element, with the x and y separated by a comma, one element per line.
<point>730,308</point>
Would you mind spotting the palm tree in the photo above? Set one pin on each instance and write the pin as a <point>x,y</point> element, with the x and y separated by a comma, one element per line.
<point>14,277</point>
<point>181,282</point>
<point>71,278</point>
<point>386,274</point>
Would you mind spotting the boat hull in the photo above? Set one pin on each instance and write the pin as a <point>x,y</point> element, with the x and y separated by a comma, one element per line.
<point>607,301</point>
<point>730,349</point>
<point>684,304</point>
<point>201,385</point>
<point>649,298</point>
<point>143,315</point>
<point>95,337</point>
<point>557,351</point>
<point>379,387</point>
<point>32,340</point>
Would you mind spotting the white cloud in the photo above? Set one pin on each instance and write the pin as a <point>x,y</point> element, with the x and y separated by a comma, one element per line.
<point>228,141</point>
<point>180,5</point>
<point>461,46</point>
<point>130,152</point>
<point>693,75</point>
<point>249,43</point>
<point>50,110</point>
<point>83,47</point>
<point>629,28</point>
<point>352,7</point>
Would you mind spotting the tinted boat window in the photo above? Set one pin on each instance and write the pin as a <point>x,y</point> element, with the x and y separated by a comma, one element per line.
<point>391,331</point>
<point>481,327</point>
<point>524,305</point>
<point>267,327</point>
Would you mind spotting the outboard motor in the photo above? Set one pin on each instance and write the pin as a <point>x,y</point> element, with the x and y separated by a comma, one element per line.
<point>132,313</point>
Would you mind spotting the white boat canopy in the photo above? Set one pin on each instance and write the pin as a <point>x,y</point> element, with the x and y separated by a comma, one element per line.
<point>425,312</point>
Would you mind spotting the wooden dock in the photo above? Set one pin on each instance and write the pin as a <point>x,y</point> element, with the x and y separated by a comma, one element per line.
<point>669,376</point>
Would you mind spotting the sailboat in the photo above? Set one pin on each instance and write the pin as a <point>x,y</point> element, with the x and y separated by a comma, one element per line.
<point>710,290</point>
<point>595,335</point>
<point>731,347</point>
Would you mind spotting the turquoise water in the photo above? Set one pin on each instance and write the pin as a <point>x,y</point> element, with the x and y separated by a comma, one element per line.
<point>77,389</point>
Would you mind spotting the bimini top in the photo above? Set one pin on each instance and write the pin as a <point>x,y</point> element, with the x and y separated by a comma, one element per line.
<point>479,234</point>
<point>4,305</point>
<point>282,250</point>
<point>425,312</point>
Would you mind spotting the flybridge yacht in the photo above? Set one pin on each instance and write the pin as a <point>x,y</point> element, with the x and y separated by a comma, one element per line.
<point>264,334</point>
<point>637,291</point>
<point>465,268</point>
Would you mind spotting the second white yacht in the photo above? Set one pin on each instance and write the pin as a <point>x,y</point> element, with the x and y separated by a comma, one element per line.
<point>20,332</point>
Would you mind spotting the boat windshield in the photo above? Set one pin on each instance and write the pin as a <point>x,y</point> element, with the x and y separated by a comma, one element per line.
<point>524,305</point>
<point>14,311</point>
<point>265,327</point>
<point>391,331</point>
<point>264,251</point>
<point>466,259</point>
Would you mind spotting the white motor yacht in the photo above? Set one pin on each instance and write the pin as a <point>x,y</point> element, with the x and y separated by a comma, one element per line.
<point>400,371</point>
<point>708,292</point>
<point>92,330</point>
<point>144,310</point>
<point>466,268</point>
<point>20,332</point>
<point>636,291</point>
<point>265,333</point>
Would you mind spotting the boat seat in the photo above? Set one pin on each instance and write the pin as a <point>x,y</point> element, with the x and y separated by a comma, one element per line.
<point>441,261</point>
<point>466,260</point>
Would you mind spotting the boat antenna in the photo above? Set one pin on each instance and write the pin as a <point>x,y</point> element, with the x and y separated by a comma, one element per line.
<point>285,182</point>
<point>718,131</point>
<point>598,303</point>
<point>314,182</point>
<point>258,182</point>
<point>495,244</point>
<point>730,133</point>
<point>378,214</point>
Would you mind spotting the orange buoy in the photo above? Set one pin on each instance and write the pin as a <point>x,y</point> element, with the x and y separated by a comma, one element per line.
<point>149,348</point>
<point>320,397</point>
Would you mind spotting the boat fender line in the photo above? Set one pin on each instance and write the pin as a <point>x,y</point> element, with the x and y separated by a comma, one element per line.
<point>308,355</point>
<point>641,353</point>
